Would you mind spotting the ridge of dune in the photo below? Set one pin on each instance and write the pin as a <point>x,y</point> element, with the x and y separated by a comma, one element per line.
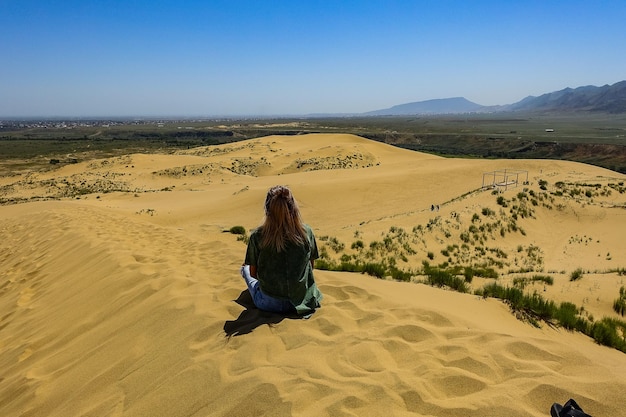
<point>126,301</point>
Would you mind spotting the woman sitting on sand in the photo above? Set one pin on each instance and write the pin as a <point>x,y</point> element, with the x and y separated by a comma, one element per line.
<point>278,268</point>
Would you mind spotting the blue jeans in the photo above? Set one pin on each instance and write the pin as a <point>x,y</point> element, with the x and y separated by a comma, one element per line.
<point>264,301</point>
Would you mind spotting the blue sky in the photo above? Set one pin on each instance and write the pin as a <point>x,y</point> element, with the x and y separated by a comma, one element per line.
<point>216,58</point>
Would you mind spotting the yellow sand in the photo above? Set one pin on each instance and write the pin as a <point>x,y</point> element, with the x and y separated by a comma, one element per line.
<point>129,302</point>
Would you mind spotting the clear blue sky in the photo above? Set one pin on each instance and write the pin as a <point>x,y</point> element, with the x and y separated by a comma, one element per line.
<point>234,57</point>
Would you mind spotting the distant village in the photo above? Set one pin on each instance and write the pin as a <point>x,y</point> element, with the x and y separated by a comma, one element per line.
<point>69,124</point>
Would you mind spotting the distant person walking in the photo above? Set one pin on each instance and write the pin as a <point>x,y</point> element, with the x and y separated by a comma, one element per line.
<point>278,267</point>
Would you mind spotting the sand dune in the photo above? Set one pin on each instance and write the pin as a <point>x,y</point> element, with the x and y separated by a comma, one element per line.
<point>120,293</point>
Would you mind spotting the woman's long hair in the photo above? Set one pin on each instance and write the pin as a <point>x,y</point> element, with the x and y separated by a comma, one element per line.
<point>282,223</point>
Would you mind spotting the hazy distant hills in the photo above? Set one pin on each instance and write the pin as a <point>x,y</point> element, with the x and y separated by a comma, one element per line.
<point>607,99</point>
<point>436,106</point>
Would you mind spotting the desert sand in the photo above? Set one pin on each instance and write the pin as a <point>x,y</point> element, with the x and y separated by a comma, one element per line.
<point>120,293</point>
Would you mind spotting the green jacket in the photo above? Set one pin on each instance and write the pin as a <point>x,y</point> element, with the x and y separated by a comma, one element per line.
<point>286,275</point>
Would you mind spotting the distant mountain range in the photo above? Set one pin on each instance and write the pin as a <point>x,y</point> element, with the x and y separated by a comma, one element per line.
<point>607,99</point>
<point>436,106</point>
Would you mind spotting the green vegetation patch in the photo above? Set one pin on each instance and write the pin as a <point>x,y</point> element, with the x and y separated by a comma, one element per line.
<point>534,309</point>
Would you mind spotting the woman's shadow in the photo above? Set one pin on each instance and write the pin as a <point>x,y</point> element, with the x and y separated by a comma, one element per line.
<point>252,317</point>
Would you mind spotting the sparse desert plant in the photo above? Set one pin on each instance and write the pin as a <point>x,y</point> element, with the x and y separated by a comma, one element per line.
<point>485,272</point>
<point>610,332</point>
<point>323,264</point>
<point>568,316</point>
<point>440,278</point>
<point>408,249</point>
<point>530,307</point>
<point>400,275</point>
<point>375,269</point>
<point>520,282</point>
<point>358,245</point>
<point>546,279</point>
<point>241,233</point>
<point>333,243</point>
<point>323,252</point>
<point>237,230</point>
<point>576,274</point>
<point>148,211</point>
<point>619,305</point>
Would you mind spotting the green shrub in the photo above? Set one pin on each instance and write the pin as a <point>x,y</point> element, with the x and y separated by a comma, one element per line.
<point>375,269</point>
<point>610,332</point>
<point>543,278</point>
<point>486,273</point>
<point>576,274</point>
<point>241,232</point>
<point>324,264</point>
<point>619,305</point>
<point>492,290</point>
<point>335,245</point>
<point>345,258</point>
<point>346,266</point>
<point>237,230</point>
<point>568,316</point>
<point>400,275</point>
<point>530,306</point>
<point>522,281</point>
<point>440,278</point>
<point>358,245</point>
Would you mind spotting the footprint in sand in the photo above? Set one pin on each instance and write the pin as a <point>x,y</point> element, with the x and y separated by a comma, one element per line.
<point>25,355</point>
<point>26,296</point>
